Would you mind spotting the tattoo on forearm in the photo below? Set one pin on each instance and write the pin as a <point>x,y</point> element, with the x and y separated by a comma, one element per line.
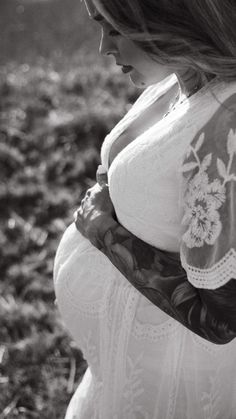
<point>160,277</point>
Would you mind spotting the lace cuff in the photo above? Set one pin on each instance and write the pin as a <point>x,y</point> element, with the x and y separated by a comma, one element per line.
<point>214,277</point>
<point>208,243</point>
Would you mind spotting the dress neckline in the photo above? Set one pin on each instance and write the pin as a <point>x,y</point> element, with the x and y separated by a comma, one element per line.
<point>153,92</point>
<point>145,100</point>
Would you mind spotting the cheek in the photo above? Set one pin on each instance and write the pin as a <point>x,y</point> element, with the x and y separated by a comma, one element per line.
<point>128,50</point>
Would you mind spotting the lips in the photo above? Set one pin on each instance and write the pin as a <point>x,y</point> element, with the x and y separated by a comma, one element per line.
<point>126,68</point>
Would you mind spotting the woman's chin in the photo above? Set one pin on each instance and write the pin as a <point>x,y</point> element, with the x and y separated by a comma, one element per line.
<point>142,81</point>
<point>138,79</point>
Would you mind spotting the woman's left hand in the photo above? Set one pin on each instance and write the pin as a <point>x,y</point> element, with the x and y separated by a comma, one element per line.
<point>95,214</point>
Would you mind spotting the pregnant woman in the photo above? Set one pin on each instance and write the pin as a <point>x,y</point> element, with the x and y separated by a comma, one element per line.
<point>145,277</point>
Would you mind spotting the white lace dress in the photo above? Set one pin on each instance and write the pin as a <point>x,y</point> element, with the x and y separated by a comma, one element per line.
<point>173,187</point>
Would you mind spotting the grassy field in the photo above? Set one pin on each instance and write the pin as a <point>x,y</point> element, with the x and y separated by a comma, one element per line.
<point>58,100</point>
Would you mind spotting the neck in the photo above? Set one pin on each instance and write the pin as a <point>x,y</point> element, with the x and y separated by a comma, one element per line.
<point>190,81</point>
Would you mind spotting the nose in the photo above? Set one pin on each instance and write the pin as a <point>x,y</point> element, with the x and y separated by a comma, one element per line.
<point>107,46</point>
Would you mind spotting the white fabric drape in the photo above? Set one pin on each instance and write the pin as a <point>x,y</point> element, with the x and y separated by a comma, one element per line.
<point>142,363</point>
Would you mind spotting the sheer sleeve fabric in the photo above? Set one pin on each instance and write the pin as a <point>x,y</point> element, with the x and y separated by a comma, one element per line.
<point>208,239</point>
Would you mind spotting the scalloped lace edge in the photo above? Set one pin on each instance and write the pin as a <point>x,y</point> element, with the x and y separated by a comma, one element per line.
<point>214,277</point>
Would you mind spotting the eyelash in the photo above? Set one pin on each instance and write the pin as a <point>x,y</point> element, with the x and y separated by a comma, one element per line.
<point>114,33</point>
<point>111,32</point>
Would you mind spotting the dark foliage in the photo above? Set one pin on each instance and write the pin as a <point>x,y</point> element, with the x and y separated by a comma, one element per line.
<point>53,122</point>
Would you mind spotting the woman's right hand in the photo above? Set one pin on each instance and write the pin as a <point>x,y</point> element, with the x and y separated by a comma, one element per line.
<point>96,213</point>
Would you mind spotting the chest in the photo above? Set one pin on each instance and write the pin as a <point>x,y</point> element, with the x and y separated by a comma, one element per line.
<point>146,120</point>
<point>145,181</point>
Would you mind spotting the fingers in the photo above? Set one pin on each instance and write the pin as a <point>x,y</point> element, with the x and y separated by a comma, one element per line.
<point>76,215</point>
<point>78,221</point>
<point>84,200</point>
<point>82,194</point>
<point>101,175</point>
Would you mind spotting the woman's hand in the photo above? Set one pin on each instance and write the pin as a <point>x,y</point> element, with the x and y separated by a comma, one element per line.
<point>96,213</point>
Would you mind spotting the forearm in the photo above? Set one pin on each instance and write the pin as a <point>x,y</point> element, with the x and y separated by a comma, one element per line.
<point>159,276</point>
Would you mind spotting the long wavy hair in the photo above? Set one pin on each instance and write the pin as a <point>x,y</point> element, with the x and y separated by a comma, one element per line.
<point>184,34</point>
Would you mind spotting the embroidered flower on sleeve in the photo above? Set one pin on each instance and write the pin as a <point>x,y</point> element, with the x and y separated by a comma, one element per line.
<point>203,198</point>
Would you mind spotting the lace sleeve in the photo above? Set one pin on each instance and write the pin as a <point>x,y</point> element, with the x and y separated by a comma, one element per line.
<point>208,241</point>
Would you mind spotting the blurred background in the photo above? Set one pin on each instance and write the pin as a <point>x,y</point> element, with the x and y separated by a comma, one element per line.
<point>58,100</point>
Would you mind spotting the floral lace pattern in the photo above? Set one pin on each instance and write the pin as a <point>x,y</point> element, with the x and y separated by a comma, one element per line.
<point>208,242</point>
<point>204,198</point>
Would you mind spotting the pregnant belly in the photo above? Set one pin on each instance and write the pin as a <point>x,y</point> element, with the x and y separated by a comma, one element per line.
<point>80,269</point>
<point>88,287</point>
<point>84,278</point>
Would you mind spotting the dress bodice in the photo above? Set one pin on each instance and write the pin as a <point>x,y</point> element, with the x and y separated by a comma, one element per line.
<point>145,178</point>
